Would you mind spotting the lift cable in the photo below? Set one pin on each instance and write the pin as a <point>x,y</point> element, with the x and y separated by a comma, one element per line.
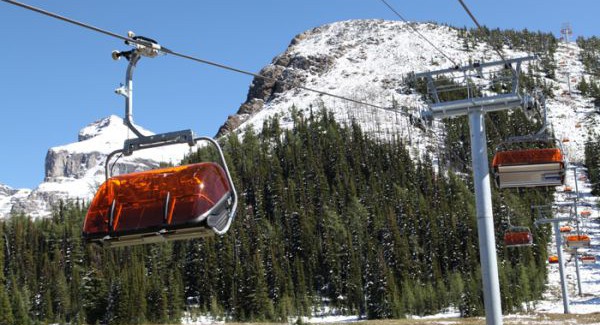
<point>498,50</point>
<point>417,32</point>
<point>195,59</point>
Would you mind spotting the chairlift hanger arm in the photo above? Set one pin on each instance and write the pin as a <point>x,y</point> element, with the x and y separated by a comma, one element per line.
<point>546,221</point>
<point>475,66</point>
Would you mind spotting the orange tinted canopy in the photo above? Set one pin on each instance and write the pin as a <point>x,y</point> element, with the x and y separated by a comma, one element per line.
<point>585,213</point>
<point>528,157</point>
<point>156,200</point>
<point>553,259</point>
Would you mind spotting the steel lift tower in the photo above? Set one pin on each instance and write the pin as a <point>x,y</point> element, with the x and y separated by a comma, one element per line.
<point>488,87</point>
<point>566,31</point>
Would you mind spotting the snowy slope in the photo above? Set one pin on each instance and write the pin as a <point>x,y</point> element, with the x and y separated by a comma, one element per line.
<point>365,60</point>
<point>74,171</point>
<point>573,117</point>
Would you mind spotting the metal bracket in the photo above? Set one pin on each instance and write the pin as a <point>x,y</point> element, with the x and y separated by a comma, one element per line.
<point>470,72</point>
<point>158,140</point>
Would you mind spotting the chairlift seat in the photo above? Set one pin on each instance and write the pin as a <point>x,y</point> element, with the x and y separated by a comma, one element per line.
<point>518,236</point>
<point>585,213</point>
<point>576,241</point>
<point>159,205</point>
<point>553,259</point>
<point>529,168</point>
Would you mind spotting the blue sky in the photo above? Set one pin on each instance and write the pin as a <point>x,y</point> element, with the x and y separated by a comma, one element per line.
<point>56,78</point>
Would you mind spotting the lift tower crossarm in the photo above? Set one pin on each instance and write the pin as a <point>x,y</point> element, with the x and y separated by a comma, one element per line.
<point>476,107</point>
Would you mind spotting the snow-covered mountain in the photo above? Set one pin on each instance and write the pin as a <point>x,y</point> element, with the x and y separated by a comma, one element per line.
<point>74,171</point>
<point>365,60</point>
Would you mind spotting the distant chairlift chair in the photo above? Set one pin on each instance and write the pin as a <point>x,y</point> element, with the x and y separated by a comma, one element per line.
<point>164,204</point>
<point>588,259</point>
<point>517,237</point>
<point>576,241</point>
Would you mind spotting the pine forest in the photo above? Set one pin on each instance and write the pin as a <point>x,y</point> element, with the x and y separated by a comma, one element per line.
<point>329,218</point>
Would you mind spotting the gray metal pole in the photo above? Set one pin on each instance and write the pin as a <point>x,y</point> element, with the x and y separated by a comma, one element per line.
<point>485,221</point>
<point>578,233</point>
<point>561,268</point>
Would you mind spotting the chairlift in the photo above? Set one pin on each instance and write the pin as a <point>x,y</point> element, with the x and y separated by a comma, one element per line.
<point>518,236</point>
<point>575,241</point>
<point>568,189</point>
<point>553,259</point>
<point>588,259</point>
<point>528,167</point>
<point>173,203</point>
<point>566,140</point>
<point>585,213</point>
<point>566,229</point>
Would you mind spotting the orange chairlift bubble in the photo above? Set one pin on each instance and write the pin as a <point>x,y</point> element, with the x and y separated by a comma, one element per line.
<point>585,213</point>
<point>566,229</point>
<point>164,204</point>
<point>588,259</point>
<point>553,259</point>
<point>575,241</point>
<point>518,236</point>
<point>568,189</point>
<point>529,168</point>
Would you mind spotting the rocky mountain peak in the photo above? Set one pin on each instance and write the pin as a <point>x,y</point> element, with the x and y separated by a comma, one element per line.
<point>99,127</point>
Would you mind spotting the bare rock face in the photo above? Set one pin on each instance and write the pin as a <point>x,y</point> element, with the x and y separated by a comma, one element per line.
<point>287,71</point>
<point>62,163</point>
